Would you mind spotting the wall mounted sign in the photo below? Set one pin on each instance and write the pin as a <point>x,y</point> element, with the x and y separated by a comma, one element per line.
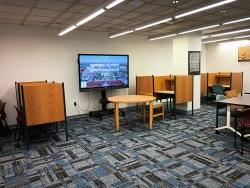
<point>194,62</point>
<point>244,54</point>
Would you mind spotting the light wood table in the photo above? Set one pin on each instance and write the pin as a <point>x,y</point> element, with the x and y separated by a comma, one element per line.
<point>128,99</point>
<point>238,101</point>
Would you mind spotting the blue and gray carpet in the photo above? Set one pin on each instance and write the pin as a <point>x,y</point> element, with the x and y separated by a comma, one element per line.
<point>175,153</point>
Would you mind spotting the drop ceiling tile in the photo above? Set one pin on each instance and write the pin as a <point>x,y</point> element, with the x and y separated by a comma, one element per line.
<point>113,13</point>
<point>14,9</point>
<point>23,3</point>
<point>82,9</point>
<point>39,19</point>
<point>4,15</point>
<point>53,4</point>
<point>92,2</point>
<point>44,12</point>
<point>10,21</point>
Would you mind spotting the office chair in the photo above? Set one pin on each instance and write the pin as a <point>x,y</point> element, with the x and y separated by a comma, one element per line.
<point>243,128</point>
<point>3,115</point>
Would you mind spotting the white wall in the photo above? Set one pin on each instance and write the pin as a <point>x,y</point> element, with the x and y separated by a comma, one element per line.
<point>34,53</point>
<point>223,57</point>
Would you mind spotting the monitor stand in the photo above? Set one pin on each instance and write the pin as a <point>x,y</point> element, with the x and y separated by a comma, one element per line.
<point>104,111</point>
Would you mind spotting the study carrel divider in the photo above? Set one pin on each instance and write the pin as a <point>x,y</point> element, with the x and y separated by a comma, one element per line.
<point>230,80</point>
<point>42,103</point>
<point>180,87</point>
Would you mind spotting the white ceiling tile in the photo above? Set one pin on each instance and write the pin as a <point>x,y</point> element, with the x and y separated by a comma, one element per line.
<point>53,4</point>
<point>44,12</point>
<point>14,9</point>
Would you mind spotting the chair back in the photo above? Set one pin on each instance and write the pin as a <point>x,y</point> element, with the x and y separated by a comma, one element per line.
<point>220,97</point>
<point>231,93</point>
<point>218,89</point>
<point>19,117</point>
<point>245,120</point>
<point>2,111</point>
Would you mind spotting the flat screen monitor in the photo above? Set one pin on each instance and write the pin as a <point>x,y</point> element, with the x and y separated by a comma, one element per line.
<point>102,71</point>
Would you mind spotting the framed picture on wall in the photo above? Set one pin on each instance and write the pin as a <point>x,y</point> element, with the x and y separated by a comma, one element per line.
<point>194,62</point>
<point>244,54</point>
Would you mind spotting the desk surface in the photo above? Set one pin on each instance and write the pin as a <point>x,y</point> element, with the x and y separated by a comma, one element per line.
<point>226,86</point>
<point>240,101</point>
<point>165,92</point>
<point>131,99</point>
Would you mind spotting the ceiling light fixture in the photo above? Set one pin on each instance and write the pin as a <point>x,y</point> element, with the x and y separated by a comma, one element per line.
<point>236,21</point>
<point>205,37</point>
<point>212,41</point>
<point>205,8</point>
<point>162,37</point>
<point>120,34</point>
<point>153,24</point>
<point>242,37</point>
<point>67,30</point>
<point>199,29</point>
<point>90,17</point>
<point>113,4</point>
<point>230,33</point>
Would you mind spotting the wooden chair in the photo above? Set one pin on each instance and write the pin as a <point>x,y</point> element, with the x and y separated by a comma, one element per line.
<point>231,94</point>
<point>158,108</point>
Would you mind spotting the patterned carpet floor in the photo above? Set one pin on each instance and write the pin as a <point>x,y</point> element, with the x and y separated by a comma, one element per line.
<point>176,153</point>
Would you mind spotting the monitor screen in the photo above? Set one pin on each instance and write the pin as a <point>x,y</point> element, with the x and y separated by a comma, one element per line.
<point>103,71</point>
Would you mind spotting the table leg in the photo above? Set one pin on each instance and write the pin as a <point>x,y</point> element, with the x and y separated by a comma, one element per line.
<point>117,116</point>
<point>228,124</point>
<point>151,115</point>
<point>144,112</point>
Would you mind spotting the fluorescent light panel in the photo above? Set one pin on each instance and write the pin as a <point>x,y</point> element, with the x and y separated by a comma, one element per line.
<point>162,37</point>
<point>90,17</point>
<point>199,29</point>
<point>153,24</point>
<point>236,21</point>
<point>67,30</point>
<point>113,4</point>
<point>205,8</point>
<point>211,41</point>
<point>242,37</point>
<point>230,33</point>
<point>120,34</point>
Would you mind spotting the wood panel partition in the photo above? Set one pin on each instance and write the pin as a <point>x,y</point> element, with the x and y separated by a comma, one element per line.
<point>42,103</point>
<point>237,82</point>
<point>144,85</point>
<point>162,83</point>
<point>229,80</point>
<point>204,84</point>
<point>183,89</point>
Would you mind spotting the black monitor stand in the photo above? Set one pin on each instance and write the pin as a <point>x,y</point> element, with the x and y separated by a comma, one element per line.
<point>104,111</point>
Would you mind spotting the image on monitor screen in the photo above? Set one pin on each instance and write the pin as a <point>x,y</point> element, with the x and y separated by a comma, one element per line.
<point>103,71</point>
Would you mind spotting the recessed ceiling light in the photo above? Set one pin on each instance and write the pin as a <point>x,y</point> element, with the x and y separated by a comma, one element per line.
<point>67,30</point>
<point>199,29</point>
<point>175,2</point>
<point>120,34</point>
<point>114,3</point>
<point>153,24</point>
<point>205,37</point>
<point>90,17</point>
<point>236,21</point>
<point>230,32</point>
<point>223,11</point>
<point>241,37</point>
<point>205,8</point>
<point>211,41</point>
<point>161,37</point>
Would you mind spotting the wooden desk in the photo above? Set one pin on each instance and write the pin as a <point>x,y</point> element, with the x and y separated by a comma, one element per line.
<point>132,99</point>
<point>238,101</point>
<point>225,86</point>
<point>165,92</point>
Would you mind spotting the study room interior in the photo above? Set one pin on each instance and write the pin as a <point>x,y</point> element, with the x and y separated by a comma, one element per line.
<point>125,93</point>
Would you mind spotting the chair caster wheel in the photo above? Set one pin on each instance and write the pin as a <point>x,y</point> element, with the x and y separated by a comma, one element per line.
<point>217,132</point>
